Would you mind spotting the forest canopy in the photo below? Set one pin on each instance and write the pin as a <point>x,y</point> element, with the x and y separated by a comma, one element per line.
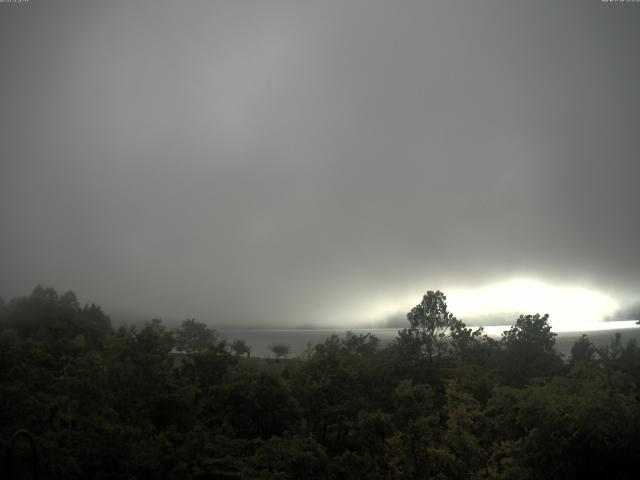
<point>441,401</point>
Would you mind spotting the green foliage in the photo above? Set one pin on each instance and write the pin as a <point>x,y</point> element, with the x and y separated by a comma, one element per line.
<point>581,425</point>
<point>412,401</point>
<point>280,350</point>
<point>621,357</point>
<point>59,320</point>
<point>287,458</point>
<point>250,404</point>
<point>530,330</point>
<point>240,347</point>
<point>334,383</point>
<point>443,402</point>
<point>583,351</point>
<point>528,350</point>
<point>193,336</point>
<point>420,452</point>
<point>209,367</point>
<point>434,332</point>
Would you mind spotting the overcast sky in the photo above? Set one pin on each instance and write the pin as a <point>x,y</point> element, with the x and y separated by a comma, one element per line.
<point>286,163</point>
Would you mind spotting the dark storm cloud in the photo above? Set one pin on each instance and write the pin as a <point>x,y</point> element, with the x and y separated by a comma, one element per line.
<point>286,162</point>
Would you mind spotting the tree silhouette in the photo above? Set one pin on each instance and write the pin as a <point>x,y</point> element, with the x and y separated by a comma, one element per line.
<point>240,347</point>
<point>432,329</point>
<point>280,350</point>
<point>193,336</point>
<point>528,347</point>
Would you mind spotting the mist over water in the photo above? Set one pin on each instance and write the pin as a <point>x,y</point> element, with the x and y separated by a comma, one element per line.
<point>229,184</point>
<point>271,163</point>
<point>260,340</point>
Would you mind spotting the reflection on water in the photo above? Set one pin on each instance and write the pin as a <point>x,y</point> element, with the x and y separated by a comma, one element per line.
<point>600,334</point>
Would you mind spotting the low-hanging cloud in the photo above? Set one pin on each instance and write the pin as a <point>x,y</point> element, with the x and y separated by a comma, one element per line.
<point>285,163</point>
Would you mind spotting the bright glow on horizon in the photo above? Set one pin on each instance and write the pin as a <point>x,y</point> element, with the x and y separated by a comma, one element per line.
<point>584,327</point>
<point>569,307</point>
<point>566,305</point>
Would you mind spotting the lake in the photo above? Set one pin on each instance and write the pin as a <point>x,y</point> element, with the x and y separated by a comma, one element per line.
<point>600,334</point>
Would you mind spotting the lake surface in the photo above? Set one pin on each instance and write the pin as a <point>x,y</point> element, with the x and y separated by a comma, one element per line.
<point>600,333</point>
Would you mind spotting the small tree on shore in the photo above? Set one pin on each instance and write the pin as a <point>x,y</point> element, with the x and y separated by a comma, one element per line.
<point>240,348</point>
<point>280,350</point>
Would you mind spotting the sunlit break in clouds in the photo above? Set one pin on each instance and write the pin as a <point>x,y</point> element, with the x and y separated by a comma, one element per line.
<point>568,306</point>
<point>321,164</point>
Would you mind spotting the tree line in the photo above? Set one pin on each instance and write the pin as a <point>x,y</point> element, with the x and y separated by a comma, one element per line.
<point>442,401</point>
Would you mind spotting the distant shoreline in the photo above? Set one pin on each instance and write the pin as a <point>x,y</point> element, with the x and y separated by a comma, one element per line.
<point>299,338</point>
